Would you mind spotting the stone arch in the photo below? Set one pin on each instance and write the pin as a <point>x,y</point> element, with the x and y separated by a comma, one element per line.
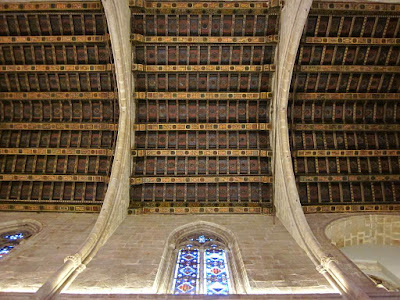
<point>372,243</point>
<point>238,272</point>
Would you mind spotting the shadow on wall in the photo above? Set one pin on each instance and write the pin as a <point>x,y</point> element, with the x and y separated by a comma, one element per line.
<point>372,242</point>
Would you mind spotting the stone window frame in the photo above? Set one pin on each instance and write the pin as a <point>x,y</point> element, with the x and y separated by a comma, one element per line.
<point>28,226</point>
<point>238,275</point>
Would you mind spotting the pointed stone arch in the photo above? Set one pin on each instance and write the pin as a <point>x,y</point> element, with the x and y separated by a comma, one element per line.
<point>239,277</point>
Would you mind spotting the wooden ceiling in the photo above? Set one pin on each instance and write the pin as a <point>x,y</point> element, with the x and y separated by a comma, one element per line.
<point>203,75</point>
<point>344,111</point>
<point>203,87</point>
<point>58,107</point>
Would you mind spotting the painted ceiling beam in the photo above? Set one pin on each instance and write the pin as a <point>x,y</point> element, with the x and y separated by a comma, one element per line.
<point>138,38</point>
<point>351,41</point>
<point>57,126</point>
<point>57,95</point>
<point>202,153</point>
<point>346,127</point>
<point>51,6</point>
<point>347,96</point>
<point>345,153</point>
<point>346,69</point>
<point>65,39</point>
<point>55,151</point>
<point>201,179</point>
<point>202,68</point>
<point>200,7</point>
<point>202,96</point>
<point>348,178</point>
<point>202,126</point>
<point>52,178</point>
<point>56,68</point>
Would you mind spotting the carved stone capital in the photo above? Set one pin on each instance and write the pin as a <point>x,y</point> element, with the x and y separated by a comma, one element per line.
<point>76,259</point>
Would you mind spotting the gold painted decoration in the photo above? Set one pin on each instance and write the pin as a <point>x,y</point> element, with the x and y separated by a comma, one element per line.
<point>351,207</point>
<point>347,96</point>
<point>57,68</point>
<point>346,6</point>
<point>51,6</point>
<point>55,151</point>
<point>86,208</point>
<point>208,153</point>
<point>201,179</point>
<point>199,7</point>
<point>347,69</point>
<point>352,41</point>
<point>202,126</point>
<point>58,126</point>
<point>137,38</point>
<point>202,96</point>
<point>199,68</point>
<point>346,127</point>
<point>348,178</point>
<point>65,178</point>
<point>64,39</point>
<point>57,95</point>
<point>345,153</point>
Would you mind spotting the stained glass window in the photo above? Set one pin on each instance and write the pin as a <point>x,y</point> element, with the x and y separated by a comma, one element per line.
<point>9,240</point>
<point>201,267</point>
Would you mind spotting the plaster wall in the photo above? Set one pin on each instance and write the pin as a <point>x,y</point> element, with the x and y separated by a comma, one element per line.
<point>28,266</point>
<point>129,261</point>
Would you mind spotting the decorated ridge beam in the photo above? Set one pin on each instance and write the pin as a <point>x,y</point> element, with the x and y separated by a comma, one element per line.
<point>57,95</point>
<point>199,68</point>
<point>223,153</point>
<point>65,39</point>
<point>65,178</point>
<point>347,69</point>
<point>57,68</point>
<point>352,7</point>
<point>201,179</point>
<point>138,38</point>
<point>48,207</point>
<point>58,126</point>
<point>201,96</point>
<point>51,6</point>
<point>347,96</point>
<point>344,153</point>
<point>202,126</point>
<point>204,5</point>
<point>351,41</point>
<point>348,178</point>
<point>55,151</point>
<point>346,127</point>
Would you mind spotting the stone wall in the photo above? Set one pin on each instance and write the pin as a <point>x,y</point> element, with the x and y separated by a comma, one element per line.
<point>129,261</point>
<point>28,266</point>
<point>345,225</point>
<point>365,229</point>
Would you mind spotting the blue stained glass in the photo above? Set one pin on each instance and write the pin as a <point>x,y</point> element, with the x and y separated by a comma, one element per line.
<point>216,275</point>
<point>14,237</point>
<point>5,250</point>
<point>186,279</point>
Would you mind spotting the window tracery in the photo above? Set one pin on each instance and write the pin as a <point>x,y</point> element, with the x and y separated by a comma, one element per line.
<point>202,267</point>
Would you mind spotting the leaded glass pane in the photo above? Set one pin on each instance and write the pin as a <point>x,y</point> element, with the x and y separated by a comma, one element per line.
<point>5,250</point>
<point>186,279</point>
<point>13,237</point>
<point>216,276</point>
